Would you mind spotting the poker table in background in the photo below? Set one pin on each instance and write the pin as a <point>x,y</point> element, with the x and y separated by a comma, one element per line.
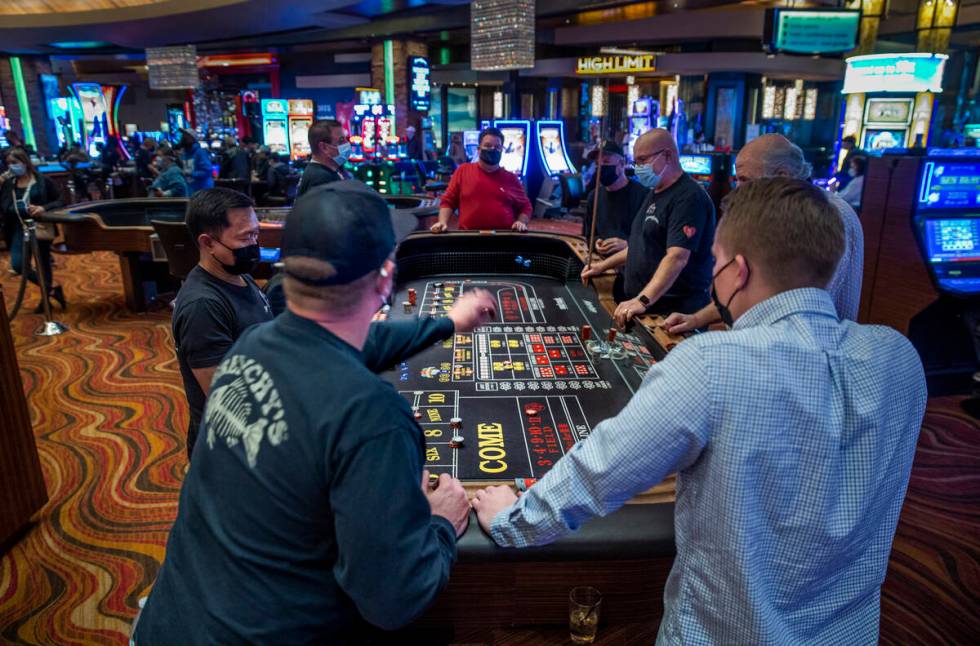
<point>526,387</point>
<point>124,227</point>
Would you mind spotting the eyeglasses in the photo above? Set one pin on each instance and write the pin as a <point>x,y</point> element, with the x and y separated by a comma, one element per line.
<point>642,161</point>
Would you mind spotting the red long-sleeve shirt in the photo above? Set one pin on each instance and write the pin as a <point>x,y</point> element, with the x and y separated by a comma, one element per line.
<point>485,200</point>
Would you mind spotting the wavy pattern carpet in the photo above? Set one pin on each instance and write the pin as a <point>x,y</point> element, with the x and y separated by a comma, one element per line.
<point>109,415</point>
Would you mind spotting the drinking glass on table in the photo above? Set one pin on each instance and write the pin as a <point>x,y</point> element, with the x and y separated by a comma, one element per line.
<point>583,614</point>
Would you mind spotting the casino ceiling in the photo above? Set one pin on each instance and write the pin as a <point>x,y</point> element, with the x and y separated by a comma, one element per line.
<point>80,27</point>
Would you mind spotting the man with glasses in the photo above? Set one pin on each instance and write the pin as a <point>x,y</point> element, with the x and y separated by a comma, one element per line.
<point>487,196</point>
<point>667,265</point>
<point>218,300</point>
<point>773,155</point>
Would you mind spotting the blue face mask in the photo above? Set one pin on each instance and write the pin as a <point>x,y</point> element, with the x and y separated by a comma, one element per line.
<point>18,169</point>
<point>343,153</point>
<point>647,176</point>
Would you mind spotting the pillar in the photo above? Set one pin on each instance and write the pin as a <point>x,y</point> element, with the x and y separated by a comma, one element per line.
<point>397,52</point>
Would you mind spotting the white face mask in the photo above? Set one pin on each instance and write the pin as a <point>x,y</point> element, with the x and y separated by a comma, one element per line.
<point>852,172</point>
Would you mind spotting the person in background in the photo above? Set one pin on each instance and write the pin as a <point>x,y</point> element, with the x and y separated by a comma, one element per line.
<point>841,178</point>
<point>852,192</point>
<point>260,162</point>
<point>619,201</point>
<point>218,300</point>
<point>278,174</point>
<point>111,158</point>
<point>457,151</point>
<point>487,195</point>
<point>414,145</point>
<point>331,150</point>
<point>667,264</point>
<point>235,162</point>
<point>27,194</point>
<point>170,180</point>
<point>773,155</point>
<point>792,437</point>
<point>144,158</point>
<point>196,162</point>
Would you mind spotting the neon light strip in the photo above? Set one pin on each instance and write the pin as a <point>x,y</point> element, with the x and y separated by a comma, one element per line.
<point>22,102</point>
<point>390,78</point>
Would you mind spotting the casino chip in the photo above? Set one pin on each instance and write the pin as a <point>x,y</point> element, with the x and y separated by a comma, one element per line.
<point>456,442</point>
<point>533,409</point>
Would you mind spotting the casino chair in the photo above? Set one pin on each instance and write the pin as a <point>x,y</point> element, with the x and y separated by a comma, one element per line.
<point>433,186</point>
<point>288,196</point>
<point>179,245</point>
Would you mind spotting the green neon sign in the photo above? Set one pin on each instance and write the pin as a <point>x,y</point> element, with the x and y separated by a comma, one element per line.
<point>22,102</point>
<point>390,78</point>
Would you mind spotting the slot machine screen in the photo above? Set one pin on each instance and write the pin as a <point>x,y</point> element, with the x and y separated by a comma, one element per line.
<point>696,164</point>
<point>952,248</point>
<point>553,150</point>
<point>276,136</point>
<point>950,185</point>
<point>515,145</point>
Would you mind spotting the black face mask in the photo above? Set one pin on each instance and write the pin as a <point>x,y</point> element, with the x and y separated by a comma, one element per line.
<point>723,311</point>
<point>490,157</point>
<point>246,258</point>
<point>608,174</point>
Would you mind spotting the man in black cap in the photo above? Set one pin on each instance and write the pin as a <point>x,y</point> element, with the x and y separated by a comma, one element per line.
<point>306,510</point>
<point>619,200</point>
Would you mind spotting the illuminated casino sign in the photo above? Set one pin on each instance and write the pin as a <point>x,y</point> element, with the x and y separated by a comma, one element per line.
<point>894,73</point>
<point>811,31</point>
<point>619,64</point>
<point>419,87</point>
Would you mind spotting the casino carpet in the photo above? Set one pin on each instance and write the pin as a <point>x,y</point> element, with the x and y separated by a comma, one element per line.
<point>109,415</point>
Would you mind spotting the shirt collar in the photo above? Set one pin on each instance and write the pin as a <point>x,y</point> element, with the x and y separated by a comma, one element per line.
<point>788,303</point>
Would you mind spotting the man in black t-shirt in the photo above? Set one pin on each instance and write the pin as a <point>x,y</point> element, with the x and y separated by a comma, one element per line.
<point>619,201</point>
<point>330,151</point>
<point>218,300</point>
<point>306,511</point>
<point>668,261</point>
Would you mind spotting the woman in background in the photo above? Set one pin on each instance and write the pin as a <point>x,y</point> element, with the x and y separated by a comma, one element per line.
<point>27,194</point>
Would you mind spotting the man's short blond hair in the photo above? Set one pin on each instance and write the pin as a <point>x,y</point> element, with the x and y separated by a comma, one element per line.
<point>337,300</point>
<point>786,228</point>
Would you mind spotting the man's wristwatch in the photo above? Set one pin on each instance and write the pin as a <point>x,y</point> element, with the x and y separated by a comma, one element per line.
<point>643,299</point>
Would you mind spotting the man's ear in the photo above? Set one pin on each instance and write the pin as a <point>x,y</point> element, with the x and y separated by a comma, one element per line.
<point>204,240</point>
<point>744,272</point>
<point>386,277</point>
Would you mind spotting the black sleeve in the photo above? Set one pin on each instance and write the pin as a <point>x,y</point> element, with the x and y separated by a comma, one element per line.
<point>393,556</point>
<point>688,219</point>
<point>204,332</point>
<point>391,342</point>
<point>52,195</point>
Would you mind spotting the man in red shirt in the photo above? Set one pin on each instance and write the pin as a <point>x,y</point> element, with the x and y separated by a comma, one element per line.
<point>487,196</point>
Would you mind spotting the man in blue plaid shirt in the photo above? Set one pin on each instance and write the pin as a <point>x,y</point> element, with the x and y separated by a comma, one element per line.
<point>792,436</point>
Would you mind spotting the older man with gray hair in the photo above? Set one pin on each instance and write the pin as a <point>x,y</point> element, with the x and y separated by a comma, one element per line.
<point>774,155</point>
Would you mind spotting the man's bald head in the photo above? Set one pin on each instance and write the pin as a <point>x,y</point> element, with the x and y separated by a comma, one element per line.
<point>771,155</point>
<point>653,141</point>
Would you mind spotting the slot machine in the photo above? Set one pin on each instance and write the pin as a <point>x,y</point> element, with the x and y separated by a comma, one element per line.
<point>275,132</point>
<point>946,223</point>
<point>712,171</point>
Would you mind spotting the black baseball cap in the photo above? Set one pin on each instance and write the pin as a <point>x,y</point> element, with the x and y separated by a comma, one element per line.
<point>344,223</point>
<point>608,148</point>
